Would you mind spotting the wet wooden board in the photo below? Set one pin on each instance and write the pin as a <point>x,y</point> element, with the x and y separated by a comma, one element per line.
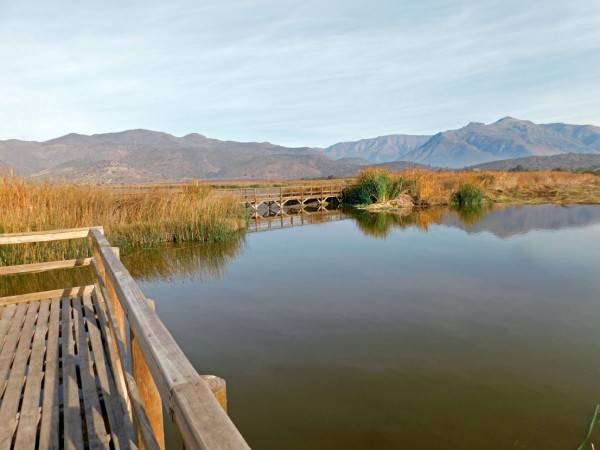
<point>57,386</point>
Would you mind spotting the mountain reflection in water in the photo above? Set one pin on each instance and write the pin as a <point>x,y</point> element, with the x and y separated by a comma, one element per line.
<point>501,220</point>
<point>203,261</point>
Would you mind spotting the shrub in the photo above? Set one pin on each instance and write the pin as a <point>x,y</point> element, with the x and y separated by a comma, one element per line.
<point>378,186</point>
<point>468,195</point>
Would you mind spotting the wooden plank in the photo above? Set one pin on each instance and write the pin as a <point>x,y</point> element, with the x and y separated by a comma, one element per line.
<point>42,267</point>
<point>97,436</point>
<point>49,438</point>
<point>45,236</point>
<point>143,422</point>
<point>8,313</point>
<point>117,415</point>
<point>200,419</point>
<point>29,410</point>
<point>73,435</point>
<point>36,296</point>
<point>10,344</point>
<point>14,386</point>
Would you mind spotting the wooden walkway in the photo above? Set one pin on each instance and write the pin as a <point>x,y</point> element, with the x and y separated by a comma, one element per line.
<point>289,195</point>
<point>92,367</point>
<point>55,370</point>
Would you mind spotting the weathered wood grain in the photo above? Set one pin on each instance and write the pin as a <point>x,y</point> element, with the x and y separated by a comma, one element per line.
<point>35,296</point>
<point>44,266</point>
<point>45,236</point>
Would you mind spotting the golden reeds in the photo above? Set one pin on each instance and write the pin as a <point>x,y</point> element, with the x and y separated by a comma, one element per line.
<point>438,188</point>
<point>141,218</point>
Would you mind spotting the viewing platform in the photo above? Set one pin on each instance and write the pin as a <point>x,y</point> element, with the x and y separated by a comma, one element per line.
<point>93,366</point>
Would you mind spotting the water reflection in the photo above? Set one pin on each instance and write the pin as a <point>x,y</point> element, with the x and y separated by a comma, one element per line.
<point>46,281</point>
<point>501,220</point>
<point>506,221</point>
<point>331,337</point>
<point>274,219</point>
<point>189,262</point>
<point>203,261</point>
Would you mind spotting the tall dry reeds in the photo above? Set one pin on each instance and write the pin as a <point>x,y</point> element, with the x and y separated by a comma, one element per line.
<point>441,188</point>
<point>146,218</point>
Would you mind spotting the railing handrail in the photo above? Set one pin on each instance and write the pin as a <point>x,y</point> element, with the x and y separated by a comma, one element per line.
<point>45,236</point>
<point>200,419</point>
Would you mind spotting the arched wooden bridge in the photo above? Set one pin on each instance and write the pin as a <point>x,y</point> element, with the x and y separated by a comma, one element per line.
<point>286,196</point>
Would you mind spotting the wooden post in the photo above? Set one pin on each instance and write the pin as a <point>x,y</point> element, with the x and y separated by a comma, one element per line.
<point>148,391</point>
<point>281,198</point>
<point>116,304</point>
<point>218,386</point>
<point>255,200</point>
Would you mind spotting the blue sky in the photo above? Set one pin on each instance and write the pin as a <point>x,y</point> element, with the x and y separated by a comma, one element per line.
<point>294,73</point>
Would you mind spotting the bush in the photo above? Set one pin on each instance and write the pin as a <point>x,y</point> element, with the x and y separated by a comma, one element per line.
<point>468,195</point>
<point>378,186</point>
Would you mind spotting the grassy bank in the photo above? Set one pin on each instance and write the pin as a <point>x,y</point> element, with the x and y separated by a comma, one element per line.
<point>428,188</point>
<point>147,218</point>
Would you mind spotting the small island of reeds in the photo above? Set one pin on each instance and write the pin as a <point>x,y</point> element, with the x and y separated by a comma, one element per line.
<point>380,189</point>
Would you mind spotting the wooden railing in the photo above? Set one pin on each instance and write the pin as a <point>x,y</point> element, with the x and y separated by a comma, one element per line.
<point>152,371</point>
<point>283,194</point>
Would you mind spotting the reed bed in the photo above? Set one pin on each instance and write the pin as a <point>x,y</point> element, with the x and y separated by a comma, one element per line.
<point>445,187</point>
<point>130,219</point>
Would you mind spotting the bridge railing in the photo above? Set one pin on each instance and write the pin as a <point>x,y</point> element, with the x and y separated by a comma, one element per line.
<point>281,194</point>
<point>153,371</point>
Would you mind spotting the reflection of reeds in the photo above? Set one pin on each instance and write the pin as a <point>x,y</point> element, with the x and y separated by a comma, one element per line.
<point>45,281</point>
<point>380,224</point>
<point>189,261</point>
<point>145,218</point>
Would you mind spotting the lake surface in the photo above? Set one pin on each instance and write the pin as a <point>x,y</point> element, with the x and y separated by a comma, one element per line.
<point>439,329</point>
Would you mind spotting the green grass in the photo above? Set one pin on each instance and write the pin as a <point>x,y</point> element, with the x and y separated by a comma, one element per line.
<point>378,186</point>
<point>468,195</point>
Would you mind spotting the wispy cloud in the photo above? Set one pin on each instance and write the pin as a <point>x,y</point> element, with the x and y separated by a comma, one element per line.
<point>297,73</point>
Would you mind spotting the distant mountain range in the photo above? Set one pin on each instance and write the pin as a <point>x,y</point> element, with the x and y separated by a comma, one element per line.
<point>145,156</point>
<point>476,143</point>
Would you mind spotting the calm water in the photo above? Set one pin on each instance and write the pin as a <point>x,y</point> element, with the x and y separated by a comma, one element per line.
<point>471,330</point>
<point>437,330</point>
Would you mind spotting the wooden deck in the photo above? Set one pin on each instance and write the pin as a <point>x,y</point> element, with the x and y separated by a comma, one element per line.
<point>92,367</point>
<point>58,383</point>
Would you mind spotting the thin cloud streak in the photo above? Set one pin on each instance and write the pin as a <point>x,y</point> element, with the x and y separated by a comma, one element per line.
<point>296,73</point>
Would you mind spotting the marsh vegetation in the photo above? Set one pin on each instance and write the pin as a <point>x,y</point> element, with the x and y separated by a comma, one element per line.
<point>130,219</point>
